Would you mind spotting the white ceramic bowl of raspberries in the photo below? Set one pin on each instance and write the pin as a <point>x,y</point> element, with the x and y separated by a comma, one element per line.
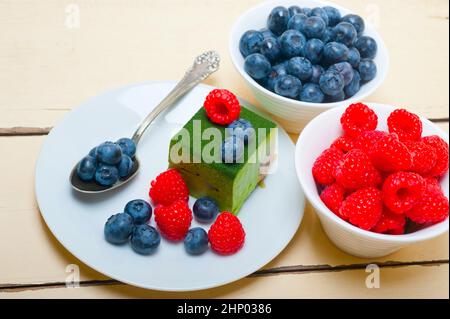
<point>282,69</point>
<point>380,190</point>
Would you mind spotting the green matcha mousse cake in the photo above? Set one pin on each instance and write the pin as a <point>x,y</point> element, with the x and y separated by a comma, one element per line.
<point>229,184</point>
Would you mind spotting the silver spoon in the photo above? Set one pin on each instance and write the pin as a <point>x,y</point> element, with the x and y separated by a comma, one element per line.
<point>203,66</point>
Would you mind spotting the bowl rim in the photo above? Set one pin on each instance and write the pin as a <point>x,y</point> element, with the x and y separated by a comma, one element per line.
<point>320,208</point>
<point>379,79</point>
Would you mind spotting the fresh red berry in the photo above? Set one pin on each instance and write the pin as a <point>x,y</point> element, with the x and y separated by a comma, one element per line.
<point>367,140</point>
<point>226,235</point>
<point>168,187</point>
<point>174,220</point>
<point>363,208</point>
<point>433,183</point>
<point>391,155</point>
<point>406,125</point>
<point>423,155</point>
<point>432,206</point>
<point>222,107</point>
<point>356,171</point>
<point>441,148</point>
<point>344,143</point>
<point>390,223</point>
<point>324,168</point>
<point>333,197</point>
<point>358,118</point>
<point>402,191</point>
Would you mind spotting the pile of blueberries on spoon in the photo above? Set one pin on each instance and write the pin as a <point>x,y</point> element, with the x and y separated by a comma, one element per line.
<point>312,55</point>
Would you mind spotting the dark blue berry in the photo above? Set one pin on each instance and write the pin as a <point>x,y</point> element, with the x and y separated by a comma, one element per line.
<point>300,68</point>
<point>86,168</point>
<point>334,16</point>
<point>292,43</point>
<point>367,70</point>
<point>196,241</point>
<point>327,35</point>
<point>93,152</point>
<point>267,33</point>
<point>257,66</point>
<point>345,69</point>
<point>354,86</point>
<point>277,70</point>
<point>205,210</point>
<point>344,33</point>
<point>278,20</point>
<point>139,210</point>
<point>321,13</point>
<point>118,228</point>
<point>331,83</point>
<point>307,11</point>
<point>242,129</point>
<point>357,22</point>
<point>109,153</point>
<point>367,47</point>
<point>288,86</point>
<point>314,27</point>
<point>125,166</point>
<point>335,52</point>
<point>293,10</point>
<point>127,146</point>
<point>339,97</point>
<point>232,150</point>
<point>145,239</point>
<point>106,175</point>
<point>296,22</point>
<point>354,57</point>
<point>313,50</point>
<point>312,93</point>
<point>316,74</point>
<point>250,42</point>
<point>271,49</point>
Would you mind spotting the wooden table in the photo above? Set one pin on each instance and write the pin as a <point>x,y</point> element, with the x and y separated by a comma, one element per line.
<point>49,63</point>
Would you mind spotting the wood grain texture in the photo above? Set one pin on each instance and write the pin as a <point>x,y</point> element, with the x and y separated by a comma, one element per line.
<point>406,282</point>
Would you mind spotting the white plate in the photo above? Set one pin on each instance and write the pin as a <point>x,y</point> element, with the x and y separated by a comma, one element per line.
<point>271,215</point>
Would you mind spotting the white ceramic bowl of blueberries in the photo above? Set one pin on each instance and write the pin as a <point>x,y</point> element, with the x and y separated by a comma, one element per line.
<point>303,57</point>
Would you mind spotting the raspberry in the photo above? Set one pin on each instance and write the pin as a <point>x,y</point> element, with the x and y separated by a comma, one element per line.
<point>333,196</point>
<point>363,208</point>
<point>324,167</point>
<point>356,171</point>
<point>423,155</point>
<point>406,125</point>
<point>432,206</point>
<point>168,187</point>
<point>174,220</point>
<point>344,143</point>
<point>222,107</point>
<point>402,190</point>
<point>226,235</point>
<point>391,155</point>
<point>441,148</point>
<point>367,140</point>
<point>390,223</point>
<point>358,118</point>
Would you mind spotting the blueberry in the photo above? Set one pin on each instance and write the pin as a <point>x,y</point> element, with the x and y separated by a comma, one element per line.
<point>125,166</point>
<point>339,97</point>
<point>314,27</point>
<point>327,35</point>
<point>367,47</point>
<point>270,48</point>
<point>266,33</point>
<point>106,175</point>
<point>118,228</point>
<point>93,152</point>
<point>307,11</point>
<point>345,69</point>
<point>313,50</point>
<point>357,22</point>
<point>196,241</point>
<point>354,86</point>
<point>232,150</point>
<point>367,70</point>
<point>296,22</point>
<point>293,10</point>
<point>292,43</point>
<point>288,86</point>
<point>145,239</point>
<point>205,210</point>
<point>127,146</point>
<point>278,20</point>
<point>334,16</point>
<point>277,70</point>
<point>109,153</point>
<point>335,52</point>
<point>321,13</point>
<point>316,74</point>
<point>250,42</point>
<point>257,66</point>
<point>242,129</point>
<point>312,93</point>
<point>300,68</point>
<point>331,82</point>
<point>86,168</point>
<point>354,57</point>
<point>139,210</point>
<point>345,33</point>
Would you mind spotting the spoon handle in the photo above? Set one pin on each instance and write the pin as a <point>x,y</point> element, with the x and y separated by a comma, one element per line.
<point>203,66</point>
